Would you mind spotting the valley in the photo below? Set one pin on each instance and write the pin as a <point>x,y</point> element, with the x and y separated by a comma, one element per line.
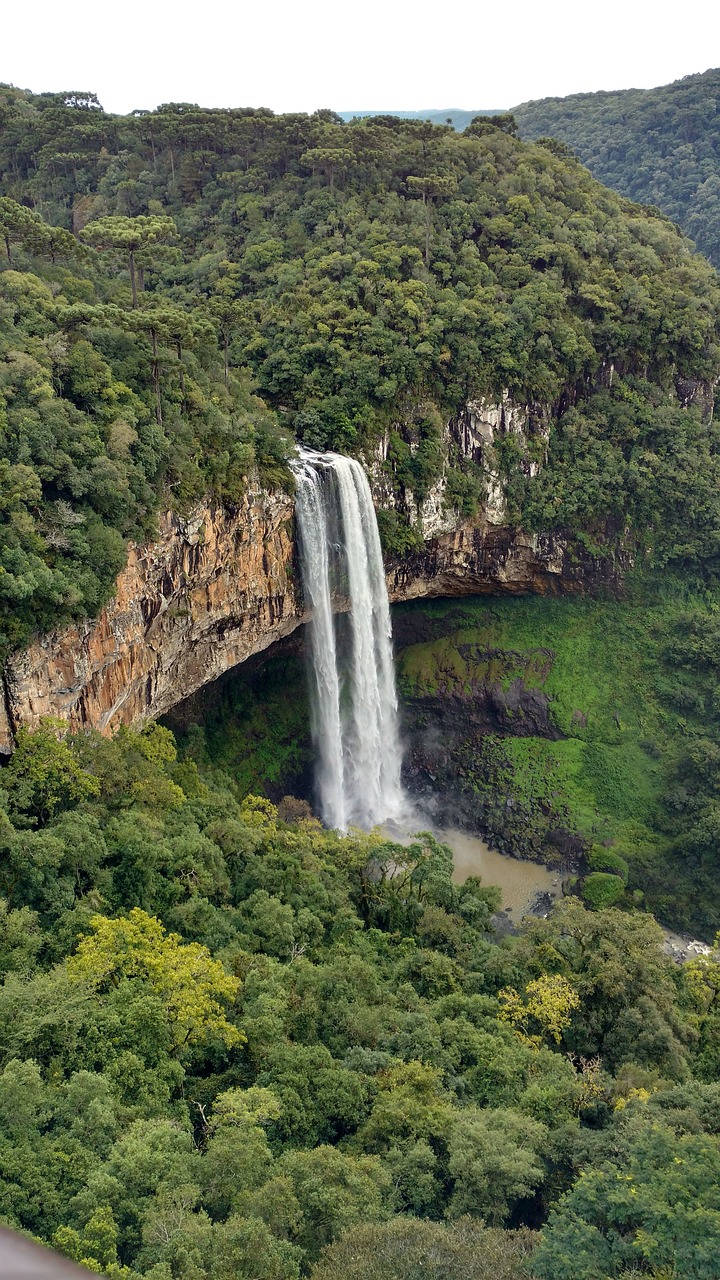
<point>359,590</point>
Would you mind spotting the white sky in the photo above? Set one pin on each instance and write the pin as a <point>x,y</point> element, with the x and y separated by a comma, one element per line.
<point>375,54</point>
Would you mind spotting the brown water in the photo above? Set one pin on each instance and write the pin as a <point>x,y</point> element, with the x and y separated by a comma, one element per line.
<point>519,881</point>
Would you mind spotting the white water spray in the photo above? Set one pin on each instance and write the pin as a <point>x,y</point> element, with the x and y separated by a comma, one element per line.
<point>353,698</point>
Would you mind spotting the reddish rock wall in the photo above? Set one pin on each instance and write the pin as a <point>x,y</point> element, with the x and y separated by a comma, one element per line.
<point>218,587</point>
<point>211,591</point>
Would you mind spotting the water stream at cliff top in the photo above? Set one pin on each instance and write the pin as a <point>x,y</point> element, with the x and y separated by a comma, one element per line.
<point>352,679</point>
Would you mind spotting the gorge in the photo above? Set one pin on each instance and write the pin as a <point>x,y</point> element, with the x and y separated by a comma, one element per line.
<point>269,384</point>
<point>220,583</point>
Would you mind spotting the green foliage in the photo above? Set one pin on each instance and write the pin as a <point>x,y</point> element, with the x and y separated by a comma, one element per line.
<point>101,413</point>
<point>398,537</point>
<point>625,459</point>
<point>656,146</point>
<point>657,1206</point>
<point>494,1162</point>
<point>185,978</point>
<point>601,890</point>
<point>578,729</point>
<point>410,1249</point>
<point>231,1046</point>
<point>44,774</point>
<point>235,1046</point>
<point>601,859</point>
<point>256,728</point>
<point>365,279</point>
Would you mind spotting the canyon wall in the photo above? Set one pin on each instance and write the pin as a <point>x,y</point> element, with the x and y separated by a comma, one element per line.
<point>210,591</point>
<point>220,585</point>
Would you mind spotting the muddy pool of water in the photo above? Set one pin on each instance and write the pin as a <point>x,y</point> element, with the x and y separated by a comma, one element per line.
<point>520,881</point>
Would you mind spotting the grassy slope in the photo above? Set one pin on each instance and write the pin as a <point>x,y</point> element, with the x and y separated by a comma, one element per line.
<point>595,661</point>
<point>603,666</point>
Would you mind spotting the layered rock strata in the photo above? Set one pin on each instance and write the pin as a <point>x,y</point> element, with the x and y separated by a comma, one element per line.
<point>209,592</point>
<point>220,585</point>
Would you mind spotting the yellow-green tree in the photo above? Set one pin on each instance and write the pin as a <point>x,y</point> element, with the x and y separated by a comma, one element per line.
<point>192,985</point>
<point>702,977</point>
<point>44,774</point>
<point>546,1011</point>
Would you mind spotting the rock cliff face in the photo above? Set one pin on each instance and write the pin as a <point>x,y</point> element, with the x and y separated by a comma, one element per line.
<point>473,434</point>
<point>477,558</point>
<point>221,585</point>
<point>212,590</point>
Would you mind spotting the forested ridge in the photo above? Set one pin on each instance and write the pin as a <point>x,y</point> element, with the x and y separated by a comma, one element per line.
<point>184,291</point>
<point>658,146</point>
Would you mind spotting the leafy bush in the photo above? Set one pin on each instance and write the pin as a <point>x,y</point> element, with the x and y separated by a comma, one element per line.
<point>607,860</point>
<point>601,890</point>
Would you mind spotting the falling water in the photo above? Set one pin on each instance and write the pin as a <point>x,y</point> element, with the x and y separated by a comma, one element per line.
<point>353,699</point>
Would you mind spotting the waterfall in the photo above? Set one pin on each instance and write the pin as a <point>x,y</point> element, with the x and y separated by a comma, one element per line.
<point>352,678</point>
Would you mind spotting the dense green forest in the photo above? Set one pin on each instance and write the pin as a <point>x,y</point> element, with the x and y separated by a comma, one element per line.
<point>184,290</point>
<point>458,119</point>
<point>657,146</point>
<point>237,1045</point>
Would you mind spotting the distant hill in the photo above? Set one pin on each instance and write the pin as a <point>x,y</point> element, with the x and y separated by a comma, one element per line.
<point>458,119</point>
<point>657,146</point>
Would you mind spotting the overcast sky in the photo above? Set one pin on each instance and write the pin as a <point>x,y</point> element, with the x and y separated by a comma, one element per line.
<point>379,54</point>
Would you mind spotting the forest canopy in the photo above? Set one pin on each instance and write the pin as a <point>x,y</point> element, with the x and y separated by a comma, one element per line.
<point>657,146</point>
<point>234,1045</point>
<point>183,292</point>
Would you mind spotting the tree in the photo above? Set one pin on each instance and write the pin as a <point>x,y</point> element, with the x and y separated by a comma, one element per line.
<point>95,1247</point>
<point>163,322</point>
<point>16,222</point>
<point>657,1207</point>
<point>192,986</point>
<point>410,1249</point>
<point>330,159</point>
<point>625,984</point>
<point>228,313</point>
<point>130,235</point>
<point>550,1001</point>
<point>494,1158</point>
<point>44,774</point>
<point>149,1167</point>
<point>434,186</point>
<point>237,1157</point>
<point>335,1191</point>
<point>481,126</point>
<point>246,1249</point>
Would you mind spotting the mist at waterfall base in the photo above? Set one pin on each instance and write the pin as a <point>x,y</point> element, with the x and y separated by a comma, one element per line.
<point>354,711</point>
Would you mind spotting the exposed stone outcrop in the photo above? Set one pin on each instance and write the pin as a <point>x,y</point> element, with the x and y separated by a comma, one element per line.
<point>474,435</point>
<point>209,592</point>
<point>477,557</point>
<point>219,586</point>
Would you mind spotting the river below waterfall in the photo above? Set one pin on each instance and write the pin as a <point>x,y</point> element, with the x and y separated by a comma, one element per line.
<point>521,882</point>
